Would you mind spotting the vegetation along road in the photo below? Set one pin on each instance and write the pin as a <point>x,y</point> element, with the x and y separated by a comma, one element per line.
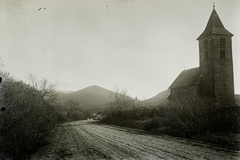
<point>83,140</point>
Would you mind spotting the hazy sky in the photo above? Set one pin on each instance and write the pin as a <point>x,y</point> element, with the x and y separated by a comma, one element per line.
<point>140,45</point>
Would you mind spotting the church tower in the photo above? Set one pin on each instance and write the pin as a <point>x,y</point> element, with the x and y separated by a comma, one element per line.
<point>216,64</point>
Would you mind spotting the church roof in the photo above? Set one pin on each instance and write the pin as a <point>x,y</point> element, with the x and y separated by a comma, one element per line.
<point>214,27</point>
<point>186,78</point>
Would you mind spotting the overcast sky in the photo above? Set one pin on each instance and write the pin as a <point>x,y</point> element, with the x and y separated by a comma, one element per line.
<point>140,45</point>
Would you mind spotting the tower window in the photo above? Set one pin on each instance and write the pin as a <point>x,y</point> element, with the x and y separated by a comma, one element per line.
<point>222,53</point>
<point>212,43</point>
<point>222,42</point>
<point>206,55</point>
<point>205,43</point>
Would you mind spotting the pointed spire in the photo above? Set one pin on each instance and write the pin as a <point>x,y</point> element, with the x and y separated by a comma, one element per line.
<point>214,26</point>
<point>213,5</point>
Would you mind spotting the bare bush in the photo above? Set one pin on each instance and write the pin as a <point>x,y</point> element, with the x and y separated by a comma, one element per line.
<point>120,102</point>
<point>184,117</point>
<point>27,120</point>
<point>45,88</point>
<point>70,111</point>
<point>73,110</point>
<point>194,115</point>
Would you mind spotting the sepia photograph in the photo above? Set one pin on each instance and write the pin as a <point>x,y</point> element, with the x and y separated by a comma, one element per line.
<point>119,79</point>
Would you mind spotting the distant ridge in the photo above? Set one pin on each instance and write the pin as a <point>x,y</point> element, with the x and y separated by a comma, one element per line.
<point>90,98</point>
<point>97,98</point>
<point>160,98</point>
<point>60,91</point>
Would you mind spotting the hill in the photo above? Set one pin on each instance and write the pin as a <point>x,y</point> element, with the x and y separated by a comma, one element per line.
<point>97,98</point>
<point>90,98</point>
<point>160,98</point>
<point>60,94</point>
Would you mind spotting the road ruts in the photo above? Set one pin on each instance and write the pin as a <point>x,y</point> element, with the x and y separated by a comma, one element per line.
<point>81,140</point>
<point>120,143</point>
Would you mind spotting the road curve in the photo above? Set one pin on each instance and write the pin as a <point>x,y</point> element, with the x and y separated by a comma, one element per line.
<point>93,141</point>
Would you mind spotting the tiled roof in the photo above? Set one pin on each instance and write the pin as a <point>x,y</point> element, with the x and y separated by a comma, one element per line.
<point>214,27</point>
<point>186,78</point>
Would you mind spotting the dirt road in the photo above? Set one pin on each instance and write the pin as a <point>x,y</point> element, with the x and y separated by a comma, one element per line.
<point>82,140</point>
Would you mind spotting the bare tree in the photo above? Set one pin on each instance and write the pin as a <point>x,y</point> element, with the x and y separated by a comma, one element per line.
<point>70,104</point>
<point>120,101</point>
<point>73,110</point>
<point>46,89</point>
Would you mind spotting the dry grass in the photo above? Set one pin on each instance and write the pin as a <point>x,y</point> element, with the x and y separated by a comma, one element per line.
<point>186,117</point>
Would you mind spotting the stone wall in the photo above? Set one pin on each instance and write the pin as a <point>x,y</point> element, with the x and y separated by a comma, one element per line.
<point>216,68</point>
<point>184,91</point>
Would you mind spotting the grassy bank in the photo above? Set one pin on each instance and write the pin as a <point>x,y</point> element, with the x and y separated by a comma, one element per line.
<point>193,117</point>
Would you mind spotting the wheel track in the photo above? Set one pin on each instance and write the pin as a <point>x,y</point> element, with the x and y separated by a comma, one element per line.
<point>206,149</point>
<point>131,145</point>
<point>121,143</point>
<point>134,146</point>
<point>106,148</point>
<point>151,149</point>
<point>157,149</point>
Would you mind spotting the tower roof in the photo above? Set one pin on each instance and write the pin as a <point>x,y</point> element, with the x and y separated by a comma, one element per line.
<point>214,27</point>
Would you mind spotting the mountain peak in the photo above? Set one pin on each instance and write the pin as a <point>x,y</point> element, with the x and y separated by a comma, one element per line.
<point>92,97</point>
<point>94,88</point>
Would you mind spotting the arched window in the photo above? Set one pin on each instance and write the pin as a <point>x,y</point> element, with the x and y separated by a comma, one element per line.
<point>206,55</point>
<point>212,43</point>
<point>222,42</point>
<point>205,44</point>
<point>222,54</point>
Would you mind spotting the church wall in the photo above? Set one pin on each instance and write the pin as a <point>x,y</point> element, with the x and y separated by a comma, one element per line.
<point>184,91</point>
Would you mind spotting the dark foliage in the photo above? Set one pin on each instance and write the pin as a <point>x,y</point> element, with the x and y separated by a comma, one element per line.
<point>186,117</point>
<point>71,111</point>
<point>193,116</point>
<point>27,120</point>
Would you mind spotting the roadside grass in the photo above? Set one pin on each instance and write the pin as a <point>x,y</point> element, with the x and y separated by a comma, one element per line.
<point>67,143</point>
<point>57,147</point>
<point>139,124</point>
<point>226,139</point>
<point>191,117</point>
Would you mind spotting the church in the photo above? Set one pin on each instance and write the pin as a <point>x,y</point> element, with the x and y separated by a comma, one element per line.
<point>214,77</point>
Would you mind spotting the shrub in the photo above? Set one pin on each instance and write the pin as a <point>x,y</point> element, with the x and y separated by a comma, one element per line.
<point>185,117</point>
<point>197,115</point>
<point>27,120</point>
<point>76,115</point>
<point>153,124</point>
<point>120,104</point>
